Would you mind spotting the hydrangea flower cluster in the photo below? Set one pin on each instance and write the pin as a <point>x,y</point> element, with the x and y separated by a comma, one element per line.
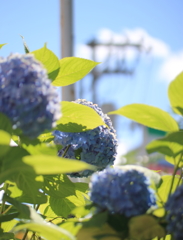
<point>97,147</point>
<point>26,95</point>
<point>122,192</point>
<point>174,207</point>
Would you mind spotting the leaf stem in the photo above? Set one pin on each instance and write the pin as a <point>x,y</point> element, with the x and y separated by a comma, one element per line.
<point>66,150</point>
<point>6,185</point>
<point>174,173</point>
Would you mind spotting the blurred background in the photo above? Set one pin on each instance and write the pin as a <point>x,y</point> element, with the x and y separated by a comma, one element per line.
<point>139,45</point>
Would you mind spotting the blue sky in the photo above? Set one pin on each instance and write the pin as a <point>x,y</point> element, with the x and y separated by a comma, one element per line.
<point>158,23</point>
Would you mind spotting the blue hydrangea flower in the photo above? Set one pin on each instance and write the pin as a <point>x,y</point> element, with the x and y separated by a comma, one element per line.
<point>174,207</point>
<point>97,147</point>
<point>26,95</point>
<point>122,192</point>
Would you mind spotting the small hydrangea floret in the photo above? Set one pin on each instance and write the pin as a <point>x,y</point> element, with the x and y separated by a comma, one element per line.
<point>97,146</point>
<point>174,217</point>
<point>26,95</point>
<point>121,192</point>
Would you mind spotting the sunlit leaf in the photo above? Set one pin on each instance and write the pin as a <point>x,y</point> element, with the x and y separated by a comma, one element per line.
<point>5,139</point>
<point>78,118</point>
<point>149,116</point>
<point>164,189</point>
<point>49,61</point>
<point>45,164</point>
<point>46,230</point>
<point>175,94</point>
<point>170,145</point>
<point>1,45</point>
<point>15,170</point>
<point>72,70</point>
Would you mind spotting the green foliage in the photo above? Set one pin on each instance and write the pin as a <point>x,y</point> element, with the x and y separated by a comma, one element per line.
<point>73,69</point>
<point>45,164</point>
<point>175,94</point>
<point>149,116</point>
<point>49,60</point>
<point>78,118</point>
<point>1,45</point>
<point>40,197</point>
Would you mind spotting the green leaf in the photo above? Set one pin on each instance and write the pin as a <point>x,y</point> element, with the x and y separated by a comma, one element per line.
<point>78,118</point>
<point>175,160</point>
<point>44,164</point>
<point>175,93</point>
<point>49,61</point>
<point>97,220</point>
<point>149,116</point>
<point>1,45</point>
<point>46,230</point>
<point>26,48</point>
<point>170,145</point>
<point>164,188</point>
<point>72,70</point>
<point>5,123</point>
<point>8,217</point>
<point>46,137</point>
<point>41,148</point>
<point>15,170</point>
<point>5,139</point>
<point>6,235</point>
<point>18,194</point>
<point>7,226</point>
<point>23,209</point>
<point>155,177</point>
<point>58,186</point>
<point>145,227</point>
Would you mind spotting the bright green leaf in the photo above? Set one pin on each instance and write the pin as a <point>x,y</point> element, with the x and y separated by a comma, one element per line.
<point>15,170</point>
<point>149,116</point>
<point>78,118</point>
<point>163,190</point>
<point>1,45</point>
<point>18,194</point>
<point>41,148</point>
<point>178,160</point>
<point>58,186</point>
<point>170,145</point>
<point>175,93</point>
<point>44,164</point>
<point>49,61</point>
<point>72,70</point>
<point>5,139</point>
<point>7,226</point>
<point>46,230</point>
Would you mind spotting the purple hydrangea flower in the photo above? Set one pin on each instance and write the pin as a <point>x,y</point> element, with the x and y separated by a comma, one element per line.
<point>97,147</point>
<point>122,192</point>
<point>26,95</point>
<point>174,207</point>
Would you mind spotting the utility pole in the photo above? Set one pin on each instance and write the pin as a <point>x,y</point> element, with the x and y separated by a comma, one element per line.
<point>120,63</point>
<point>68,92</point>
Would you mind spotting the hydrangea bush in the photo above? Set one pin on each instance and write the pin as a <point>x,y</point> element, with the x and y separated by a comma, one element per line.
<point>97,146</point>
<point>53,141</point>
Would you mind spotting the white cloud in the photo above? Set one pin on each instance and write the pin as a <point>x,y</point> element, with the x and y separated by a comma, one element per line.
<point>172,66</point>
<point>157,47</point>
